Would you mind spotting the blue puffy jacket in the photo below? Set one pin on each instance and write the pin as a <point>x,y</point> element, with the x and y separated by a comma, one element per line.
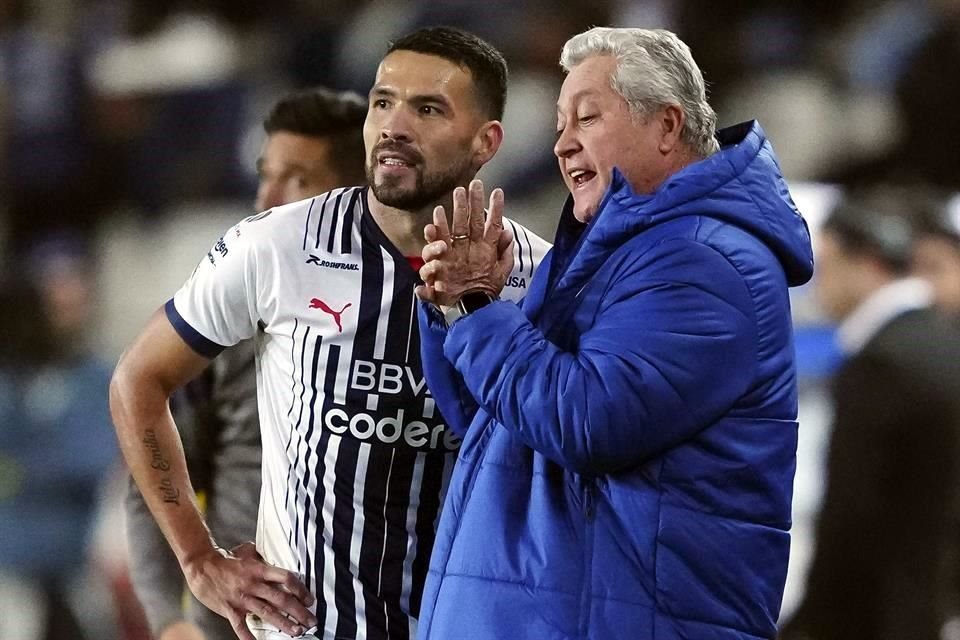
<point>629,454</point>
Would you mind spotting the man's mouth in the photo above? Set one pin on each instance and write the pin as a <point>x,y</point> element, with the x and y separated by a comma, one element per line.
<point>581,176</point>
<point>394,156</point>
<point>392,161</point>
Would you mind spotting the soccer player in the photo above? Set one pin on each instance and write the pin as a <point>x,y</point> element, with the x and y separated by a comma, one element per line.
<point>314,143</point>
<point>355,455</point>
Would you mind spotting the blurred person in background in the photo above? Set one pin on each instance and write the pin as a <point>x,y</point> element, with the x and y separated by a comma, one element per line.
<point>169,96</point>
<point>56,447</point>
<point>314,143</point>
<point>47,168</point>
<point>886,528</point>
<point>355,455</point>
<point>936,254</point>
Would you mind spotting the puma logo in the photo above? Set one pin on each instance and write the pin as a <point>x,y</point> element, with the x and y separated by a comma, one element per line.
<point>317,303</point>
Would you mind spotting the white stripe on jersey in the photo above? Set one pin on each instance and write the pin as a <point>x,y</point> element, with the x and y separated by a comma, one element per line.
<point>309,467</point>
<point>359,482</point>
<point>383,554</point>
<point>326,521</point>
<point>343,373</point>
<point>416,484</point>
<point>386,303</point>
<point>413,318</point>
<point>444,485</point>
<point>326,218</point>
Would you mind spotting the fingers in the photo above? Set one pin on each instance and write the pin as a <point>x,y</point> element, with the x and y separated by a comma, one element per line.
<point>289,582</point>
<point>476,209</point>
<point>505,255</point>
<point>427,293</point>
<point>430,272</point>
<point>434,250</point>
<point>440,223</point>
<point>238,621</point>
<point>505,244</point>
<point>279,608</point>
<point>431,233</point>
<point>494,224</point>
<point>461,215</point>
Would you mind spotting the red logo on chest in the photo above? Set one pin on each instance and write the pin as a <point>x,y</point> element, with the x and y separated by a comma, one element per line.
<point>317,303</point>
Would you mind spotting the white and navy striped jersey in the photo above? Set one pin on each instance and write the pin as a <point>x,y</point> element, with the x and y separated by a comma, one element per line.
<point>356,456</point>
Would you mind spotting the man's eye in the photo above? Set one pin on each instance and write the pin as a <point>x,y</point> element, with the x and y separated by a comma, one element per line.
<point>380,103</point>
<point>429,110</point>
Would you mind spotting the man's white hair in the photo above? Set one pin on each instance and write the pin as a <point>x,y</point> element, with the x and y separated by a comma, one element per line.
<point>654,69</point>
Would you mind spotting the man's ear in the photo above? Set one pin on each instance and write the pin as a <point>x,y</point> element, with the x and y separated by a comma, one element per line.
<point>486,143</point>
<point>671,119</point>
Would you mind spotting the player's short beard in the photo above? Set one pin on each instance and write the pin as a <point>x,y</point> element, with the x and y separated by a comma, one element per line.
<point>429,188</point>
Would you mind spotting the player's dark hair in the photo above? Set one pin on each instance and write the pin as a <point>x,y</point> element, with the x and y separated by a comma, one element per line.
<point>321,113</point>
<point>487,65</point>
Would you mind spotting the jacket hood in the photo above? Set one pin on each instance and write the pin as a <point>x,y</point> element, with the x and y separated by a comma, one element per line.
<point>741,184</point>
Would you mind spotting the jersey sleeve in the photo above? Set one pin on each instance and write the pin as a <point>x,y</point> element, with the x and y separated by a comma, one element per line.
<point>216,307</point>
<point>529,250</point>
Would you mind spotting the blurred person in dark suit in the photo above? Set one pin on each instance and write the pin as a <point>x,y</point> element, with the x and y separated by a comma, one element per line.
<point>880,569</point>
<point>936,255</point>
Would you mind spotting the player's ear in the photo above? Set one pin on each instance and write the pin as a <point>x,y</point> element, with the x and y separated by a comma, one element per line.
<point>487,141</point>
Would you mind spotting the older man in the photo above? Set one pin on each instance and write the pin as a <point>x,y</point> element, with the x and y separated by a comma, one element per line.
<point>629,453</point>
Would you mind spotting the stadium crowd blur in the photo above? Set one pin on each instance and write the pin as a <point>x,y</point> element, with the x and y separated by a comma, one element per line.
<point>129,131</point>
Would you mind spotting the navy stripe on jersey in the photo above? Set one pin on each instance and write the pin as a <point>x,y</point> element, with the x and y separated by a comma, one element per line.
<point>333,223</point>
<point>516,240</point>
<point>376,494</point>
<point>293,368</point>
<point>197,342</point>
<point>289,502</point>
<point>346,238</point>
<point>309,481</point>
<point>323,209</point>
<point>325,499</point>
<point>430,501</point>
<point>306,226</point>
<point>526,237</point>
<point>344,519</point>
<point>395,542</point>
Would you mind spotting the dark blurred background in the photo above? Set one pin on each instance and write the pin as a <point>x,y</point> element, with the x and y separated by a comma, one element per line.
<point>129,131</point>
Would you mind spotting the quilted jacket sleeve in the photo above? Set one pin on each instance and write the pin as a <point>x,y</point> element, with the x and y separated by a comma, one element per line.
<point>456,404</point>
<point>670,348</point>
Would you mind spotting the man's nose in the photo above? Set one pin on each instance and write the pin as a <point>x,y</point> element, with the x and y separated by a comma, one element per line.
<point>566,144</point>
<point>397,125</point>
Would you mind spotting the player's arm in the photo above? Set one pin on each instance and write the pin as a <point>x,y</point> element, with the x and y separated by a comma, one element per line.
<point>158,362</point>
<point>154,570</point>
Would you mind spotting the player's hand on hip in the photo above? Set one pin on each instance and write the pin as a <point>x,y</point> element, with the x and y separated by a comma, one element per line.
<point>473,253</point>
<point>237,582</point>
